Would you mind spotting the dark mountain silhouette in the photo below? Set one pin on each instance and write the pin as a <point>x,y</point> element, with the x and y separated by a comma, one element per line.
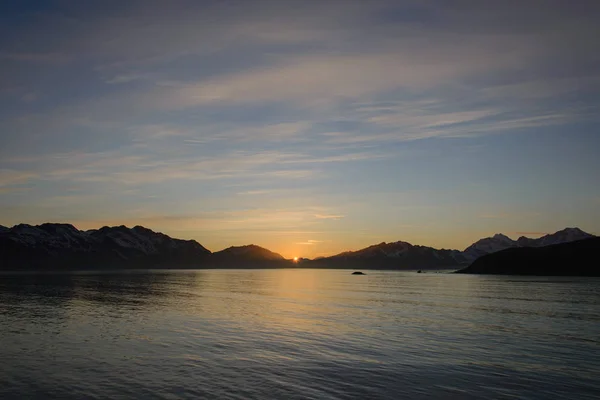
<point>578,258</point>
<point>397,255</point>
<point>247,256</point>
<point>500,242</point>
<point>62,246</point>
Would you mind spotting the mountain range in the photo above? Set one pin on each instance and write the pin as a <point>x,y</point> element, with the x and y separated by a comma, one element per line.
<point>62,246</point>
<point>58,246</point>
<point>500,242</point>
<point>396,255</point>
<point>576,258</point>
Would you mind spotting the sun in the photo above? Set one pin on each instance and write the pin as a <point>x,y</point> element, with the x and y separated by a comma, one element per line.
<point>295,259</point>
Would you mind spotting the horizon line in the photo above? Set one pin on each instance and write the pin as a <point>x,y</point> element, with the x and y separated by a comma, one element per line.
<point>541,234</point>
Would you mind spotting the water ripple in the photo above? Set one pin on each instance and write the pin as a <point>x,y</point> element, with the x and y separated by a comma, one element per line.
<point>298,334</point>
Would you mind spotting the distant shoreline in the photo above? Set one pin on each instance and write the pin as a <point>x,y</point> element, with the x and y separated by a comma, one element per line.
<point>109,270</point>
<point>63,247</point>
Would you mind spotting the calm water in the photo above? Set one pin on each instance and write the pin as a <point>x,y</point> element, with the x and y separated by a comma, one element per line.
<point>298,334</point>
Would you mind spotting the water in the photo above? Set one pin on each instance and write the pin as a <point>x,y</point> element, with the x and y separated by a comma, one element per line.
<point>298,334</point>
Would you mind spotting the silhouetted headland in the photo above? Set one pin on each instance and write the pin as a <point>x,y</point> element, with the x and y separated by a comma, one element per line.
<point>499,242</point>
<point>579,258</point>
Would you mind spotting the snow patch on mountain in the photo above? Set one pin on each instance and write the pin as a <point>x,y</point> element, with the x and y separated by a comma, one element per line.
<point>488,245</point>
<point>51,236</point>
<point>563,236</point>
<point>393,250</point>
<point>500,242</point>
<point>397,255</point>
<point>63,243</point>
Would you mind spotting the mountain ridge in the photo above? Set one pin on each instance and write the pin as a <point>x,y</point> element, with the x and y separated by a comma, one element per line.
<point>394,255</point>
<point>576,258</point>
<point>500,242</point>
<point>63,246</point>
<point>250,255</point>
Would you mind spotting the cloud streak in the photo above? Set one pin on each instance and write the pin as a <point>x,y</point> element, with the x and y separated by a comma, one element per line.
<point>310,242</point>
<point>328,216</point>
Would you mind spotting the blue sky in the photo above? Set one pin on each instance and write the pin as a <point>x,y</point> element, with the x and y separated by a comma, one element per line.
<point>305,127</point>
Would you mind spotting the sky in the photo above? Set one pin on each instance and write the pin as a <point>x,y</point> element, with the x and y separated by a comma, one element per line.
<point>306,127</point>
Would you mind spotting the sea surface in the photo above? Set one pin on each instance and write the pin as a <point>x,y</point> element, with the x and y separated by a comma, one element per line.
<point>298,334</point>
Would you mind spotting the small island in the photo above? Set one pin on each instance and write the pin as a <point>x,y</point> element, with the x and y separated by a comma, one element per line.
<point>358,273</point>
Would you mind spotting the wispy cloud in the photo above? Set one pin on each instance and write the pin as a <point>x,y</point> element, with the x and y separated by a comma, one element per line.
<point>334,66</point>
<point>254,192</point>
<point>14,177</point>
<point>310,242</point>
<point>320,79</point>
<point>329,216</point>
<point>130,77</point>
<point>127,167</point>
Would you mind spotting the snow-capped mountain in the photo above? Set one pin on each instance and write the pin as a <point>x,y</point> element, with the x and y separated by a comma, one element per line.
<point>53,238</point>
<point>62,246</point>
<point>564,236</point>
<point>488,245</point>
<point>562,259</point>
<point>51,246</point>
<point>500,242</point>
<point>394,249</point>
<point>143,240</point>
<point>396,255</point>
